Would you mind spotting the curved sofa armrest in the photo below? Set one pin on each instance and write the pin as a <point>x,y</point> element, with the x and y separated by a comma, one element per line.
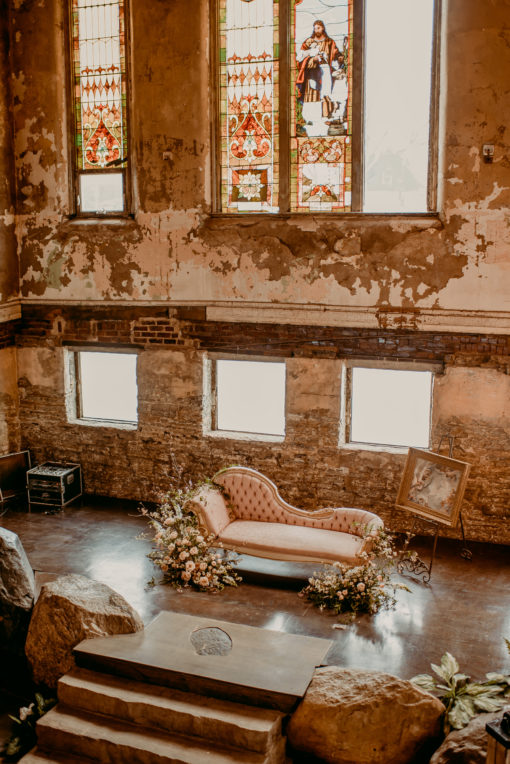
<point>210,507</point>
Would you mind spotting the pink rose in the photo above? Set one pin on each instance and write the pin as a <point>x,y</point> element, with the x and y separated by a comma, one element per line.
<point>185,576</point>
<point>203,581</point>
<point>203,566</point>
<point>361,587</point>
<point>183,555</point>
<point>193,550</point>
<point>190,566</point>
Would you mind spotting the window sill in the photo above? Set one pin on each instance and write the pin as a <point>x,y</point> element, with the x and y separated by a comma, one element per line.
<point>106,423</point>
<point>412,220</point>
<point>374,447</point>
<point>122,221</point>
<point>244,436</point>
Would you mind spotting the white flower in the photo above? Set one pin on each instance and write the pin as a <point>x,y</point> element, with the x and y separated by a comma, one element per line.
<point>193,550</point>
<point>25,712</point>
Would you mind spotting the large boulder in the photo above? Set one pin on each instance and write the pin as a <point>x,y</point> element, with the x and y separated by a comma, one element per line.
<point>468,745</point>
<point>17,590</point>
<point>351,716</point>
<point>70,609</point>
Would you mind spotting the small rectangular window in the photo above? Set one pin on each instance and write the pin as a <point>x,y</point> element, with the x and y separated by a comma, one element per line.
<point>250,397</point>
<point>106,386</point>
<point>390,407</point>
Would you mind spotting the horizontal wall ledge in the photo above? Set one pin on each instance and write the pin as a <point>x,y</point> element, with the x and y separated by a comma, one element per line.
<point>426,320</point>
<point>10,311</point>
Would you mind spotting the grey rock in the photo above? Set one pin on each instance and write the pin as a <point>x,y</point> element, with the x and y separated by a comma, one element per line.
<point>17,591</point>
<point>68,610</point>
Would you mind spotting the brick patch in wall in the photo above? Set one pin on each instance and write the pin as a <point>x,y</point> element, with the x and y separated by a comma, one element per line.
<point>178,327</point>
<point>8,333</point>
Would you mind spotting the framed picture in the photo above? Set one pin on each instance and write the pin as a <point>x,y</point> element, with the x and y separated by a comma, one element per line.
<point>433,486</point>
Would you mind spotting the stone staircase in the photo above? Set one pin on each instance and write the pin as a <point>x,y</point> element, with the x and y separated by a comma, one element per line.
<point>106,718</point>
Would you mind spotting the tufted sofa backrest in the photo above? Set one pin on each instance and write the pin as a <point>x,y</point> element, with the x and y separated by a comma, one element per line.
<point>252,496</point>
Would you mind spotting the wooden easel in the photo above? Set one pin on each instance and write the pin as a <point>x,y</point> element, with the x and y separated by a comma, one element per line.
<point>412,563</point>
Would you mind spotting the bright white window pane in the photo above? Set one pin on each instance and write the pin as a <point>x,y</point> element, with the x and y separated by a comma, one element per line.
<point>391,407</point>
<point>101,192</point>
<point>108,386</point>
<point>251,396</point>
<point>397,104</point>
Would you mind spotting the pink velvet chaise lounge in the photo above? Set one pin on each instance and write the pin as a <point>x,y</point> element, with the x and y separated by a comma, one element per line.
<point>253,519</point>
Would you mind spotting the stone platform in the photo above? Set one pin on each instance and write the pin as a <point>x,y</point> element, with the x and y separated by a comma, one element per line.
<point>214,658</point>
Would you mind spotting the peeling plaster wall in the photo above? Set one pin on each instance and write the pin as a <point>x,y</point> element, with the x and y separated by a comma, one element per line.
<point>173,251</point>
<point>9,276</point>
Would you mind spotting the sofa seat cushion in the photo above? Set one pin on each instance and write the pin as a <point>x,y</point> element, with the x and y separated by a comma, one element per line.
<point>293,542</point>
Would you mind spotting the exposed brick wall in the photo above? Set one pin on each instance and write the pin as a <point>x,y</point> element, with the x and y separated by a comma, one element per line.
<point>184,327</point>
<point>8,333</point>
<point>309,467</point>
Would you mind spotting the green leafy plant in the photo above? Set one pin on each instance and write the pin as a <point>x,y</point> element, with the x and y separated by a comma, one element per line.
<point>365,588</point>
<point>24,735</point>
<point>182,550</point>
<point>462,698</point>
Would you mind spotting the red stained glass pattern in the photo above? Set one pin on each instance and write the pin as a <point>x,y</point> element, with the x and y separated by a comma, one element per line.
<point>100,84</point>
<point>248,112</point>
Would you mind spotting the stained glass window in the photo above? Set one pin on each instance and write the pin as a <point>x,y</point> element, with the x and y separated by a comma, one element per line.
<point>321,105</point>
<point>326,105</point>
<point>249,50</point>
<point>99,72</point>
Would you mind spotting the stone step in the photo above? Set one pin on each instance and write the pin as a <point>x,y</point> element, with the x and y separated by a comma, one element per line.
<point>107,740</point>
<point>219,721</point>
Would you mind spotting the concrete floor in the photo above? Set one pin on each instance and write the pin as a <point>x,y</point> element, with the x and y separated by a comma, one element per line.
<point>465,608</point>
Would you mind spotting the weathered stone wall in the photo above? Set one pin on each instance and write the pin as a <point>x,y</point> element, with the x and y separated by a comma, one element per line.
<point>470,402</point>
<point>9,399</point>
<point>173,252</point>
<point>8,257</point>
<point>9,274</point>
<point>312,289</point>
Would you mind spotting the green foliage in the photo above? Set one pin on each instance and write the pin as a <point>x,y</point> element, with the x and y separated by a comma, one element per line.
<point>365,588</point>
<point>462,698</point>
<point>182,549</point>
<point>24,735</point>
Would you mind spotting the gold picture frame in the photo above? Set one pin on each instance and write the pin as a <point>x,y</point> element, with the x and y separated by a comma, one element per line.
<point>433,486</point>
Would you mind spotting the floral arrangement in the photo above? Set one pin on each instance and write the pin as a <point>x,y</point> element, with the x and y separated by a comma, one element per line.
<point>24,735</point>
<point>462,698</point>
<point>365,588</point>
<point>182,551</point>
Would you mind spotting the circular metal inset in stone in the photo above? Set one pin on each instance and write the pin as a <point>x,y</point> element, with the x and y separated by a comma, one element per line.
<point>211,641</point>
